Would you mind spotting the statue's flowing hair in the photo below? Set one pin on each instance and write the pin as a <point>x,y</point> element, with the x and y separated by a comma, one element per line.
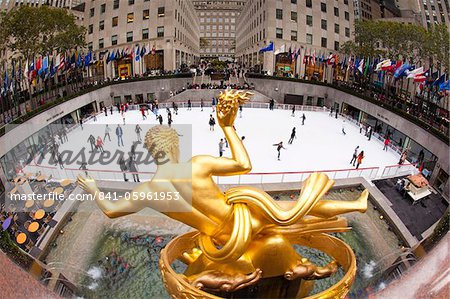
<point>161,139</point>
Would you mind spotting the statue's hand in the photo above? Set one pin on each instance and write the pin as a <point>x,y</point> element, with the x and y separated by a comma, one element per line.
<point>226,113</point>
<point>88,184</point>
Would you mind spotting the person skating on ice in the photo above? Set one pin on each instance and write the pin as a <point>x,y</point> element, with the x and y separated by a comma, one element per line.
<point>369,133</point>
<point>189,105</point>
<point>105,110</point>
<point>169,120</point>
<point>292,136</point>
<point>160,119</point>
<point>386,144</point>
<point>111,109</point>
<point>355,156</point>
<point>201,105</point>
<point>91,141</point>
<point>119,134</point>
<point>359,159</point>
<point>240,111</point>
<point>303,119</point>
<point>279,147</point>
<point>100,144</point>
<point>132,167</point>
<point>123,168</point>
<point>212,122</point>
<point>107,133</point>
<point>144,117</point>
<point>221,143</point>
<point>293,111</point>
<point>343,128</point>
<point>138,131</point>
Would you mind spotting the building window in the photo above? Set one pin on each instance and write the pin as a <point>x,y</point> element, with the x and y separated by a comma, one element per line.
<point>347,32</point>
<point>130,17</point>
<point>130,2</point>
<point>145,33</point>
<point>346,2</point>
<point>309,39</point>
<point>323,7</point>
<point>294,35</point>
<point>129,36</point>
<point>308,3</point>
<point>161,11</point>
<point>336,28</point>
<point>90,29</point>
<point>146,14</point>
<point>294,1</point>
<point>323,42</point>
<point>92,12</point>
<point>114,40</point>
<point>336,46</point>
<point>309,20</point>
<point>160,31</point>
<point>279,33</point>
<point>294,16</point>
<point>336,12</point>
<point>102,8</point>
<point>115,21</point>
<point>279,14</point>
<point>116,4</point>
<point>101,25</point>
<point>347,16</point>
<point>90,47</point>
<point>323,24</point>
<point>101,43</point>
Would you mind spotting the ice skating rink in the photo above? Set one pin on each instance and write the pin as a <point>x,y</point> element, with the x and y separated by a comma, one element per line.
<point>320,144</point>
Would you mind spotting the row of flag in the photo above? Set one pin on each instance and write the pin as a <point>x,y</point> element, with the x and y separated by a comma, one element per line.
<point>366,66</point>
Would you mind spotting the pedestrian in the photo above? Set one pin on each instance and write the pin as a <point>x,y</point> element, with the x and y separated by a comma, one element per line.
<point>81,123</point>
<point>175,109</point>
<point>84,167</point>
<point>343,128</point>
<point>123,168</point>
<point>303,119</point>
<point>100,144</point>
<point>169,120</point>
<point>293,111</point>
<point>213,104</point>
<point>212,122</point>
<point>132,167</point>
<point>189,105</point>
<point>105,110</point>
<point>138,132</point>
<point>119,134</point>
<point>386,143</point>
<point>359,159</point>
<point>331,112</point>
<point>111,109</point>
<point>144,117</point>
<point>292,136</point>
<point>201,105</point>
<point>160,118</point>
<point>107,132</point>
<point>240,111</point>
<point>271,104</point>
<point>355,155</point>
<point>361,126</point>
<point>91,141</point>
<point>221,143</point>
<point>279,147</point>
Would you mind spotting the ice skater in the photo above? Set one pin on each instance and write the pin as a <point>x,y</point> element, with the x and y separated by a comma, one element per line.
<point>293,111</point>
<point>355,156</point>
<point>144,117</point>
<point>221,143</point>
<point>331,111</point>
<point>359,159</point>
<point>271,104</point>
<point>361,127</point>
<point>212,122</point>
<point>169,120</point>
<point>279,147</point>
<point>99,144</point>
<point>292,136</point>
<point>105,110</point>
<point>189,105</point>
<point>369,133</point>
<point>132,167</point>
<point>240,111</point>
<point>138,131</point>
<point>111,109</point>
<point>91,141</point>
<point>123,117</point>
<point>160,118</point>
<point>403,157</point>
<point>303,119</point>
<point>343,128</point>
<point>119,134</point>
<point>84,167</point>
<point>201,105</point>
<point>386,144</point>
<point>213,104</point>
<point>107,133</point>
<point>123,168</point>
<point>226,142</point>
<point>81,123</point>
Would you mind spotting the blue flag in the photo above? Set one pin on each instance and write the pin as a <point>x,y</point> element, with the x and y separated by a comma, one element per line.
<point>267,48</point>
<point>138,53</point>
<point>445,85</point>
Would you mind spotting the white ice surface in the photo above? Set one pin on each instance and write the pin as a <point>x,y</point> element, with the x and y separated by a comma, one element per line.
<point>320,144</point>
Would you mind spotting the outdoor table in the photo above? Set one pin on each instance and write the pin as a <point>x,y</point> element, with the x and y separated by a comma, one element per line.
<point>39,214</point>
<point>33,227</point>
<point>6,223</point>
<point>21,238</point>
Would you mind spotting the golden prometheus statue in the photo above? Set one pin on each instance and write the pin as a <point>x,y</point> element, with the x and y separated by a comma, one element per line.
<point>243,235</point>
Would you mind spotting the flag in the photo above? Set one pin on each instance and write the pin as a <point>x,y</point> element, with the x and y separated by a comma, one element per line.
<point>438,82</point>
<point>445,85</point>
<point>331,59</point>
<point>53,68</point>
<point>384,63</point>
<point>153,50</point>
<point>87,59</point>
<point>282,49</point>
<point>31,71</point>
<point>366,67</point>
<point>26,69</point>
<point>79,62</point>
<point>294,54</point>
<point>143,51</point>
<point>413,73</point>
<point>62,62</point>
<point>5,82</point>
<point>313,58</point>
<point>401,71</point>
<point>361,65</point>
<point>38,64</point>
<point>267,48</point>
<point>138,53</point>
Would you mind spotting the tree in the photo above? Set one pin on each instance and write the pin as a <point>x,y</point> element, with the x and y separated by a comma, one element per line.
<point>203,42</point>
<point>45,30</point>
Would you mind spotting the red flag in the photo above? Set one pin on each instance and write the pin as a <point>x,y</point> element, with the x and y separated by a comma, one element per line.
<point>38,64</point>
